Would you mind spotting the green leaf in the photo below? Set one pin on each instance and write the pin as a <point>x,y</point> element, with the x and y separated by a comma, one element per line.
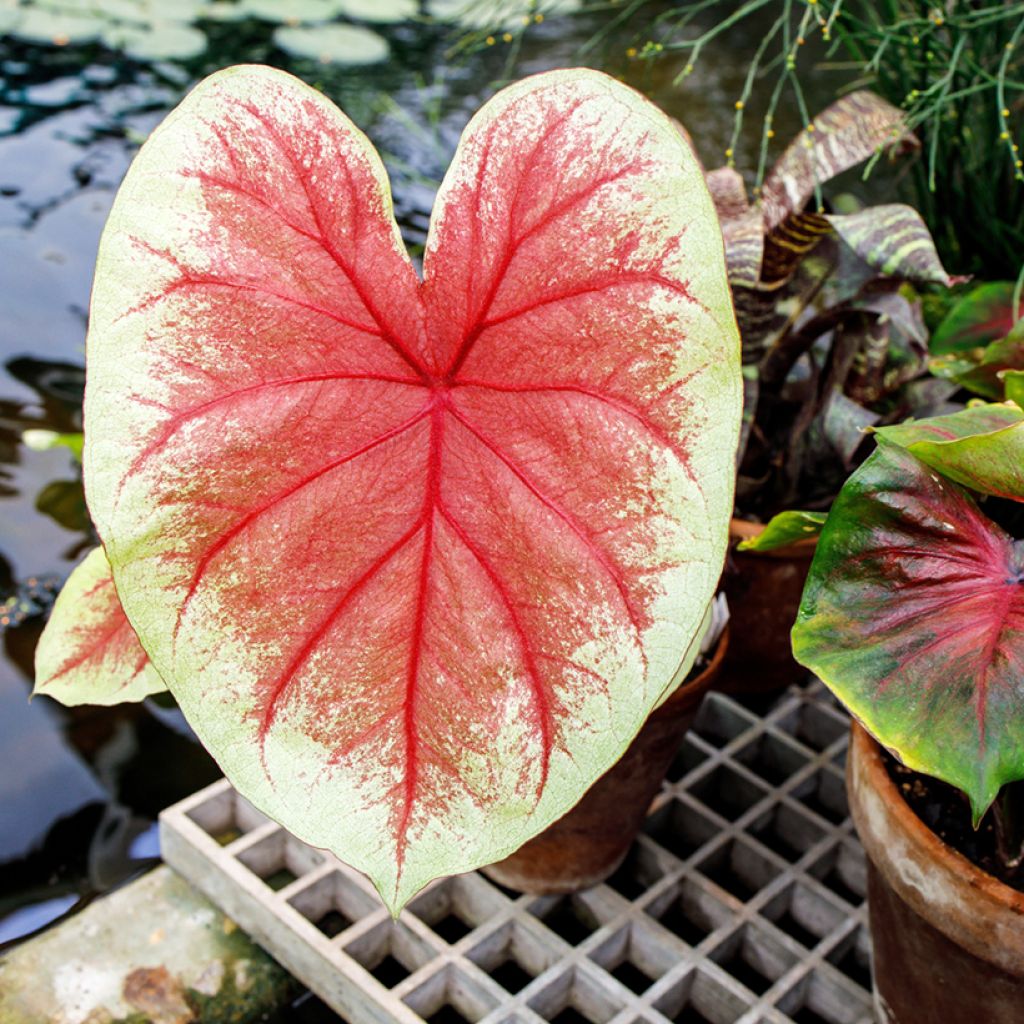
<point>982,315</point>
<point>349,45</point>
<point>88,653</point>
<point>913,615</point>
<point>844,135</point>
<point>157,41</point>
<point>784,529</point>
<point>981,447</point>
<point>1013,381</point>
<point>895,241</point>
<point>382,12</point>
<point>985,378</point>
<point>45,440</point>
<point>291,12</point>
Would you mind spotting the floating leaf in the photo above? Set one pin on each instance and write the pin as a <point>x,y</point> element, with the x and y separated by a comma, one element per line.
<point>913,615</point>
<point>981,447</point>
<point>166,41</point>
<point>291,12</point>
<point>844,135</point>
<point>982,315</point>
<point>784,529</point>
<point>39,25</point>
<point>382,12</point>
<point>416,560</point>
<point>88,653</point>
<point>349,45</point>
<point>894,240</point>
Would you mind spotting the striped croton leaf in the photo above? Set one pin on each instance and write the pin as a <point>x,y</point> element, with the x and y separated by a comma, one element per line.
<point>415,558</point>
<point>913,614</point>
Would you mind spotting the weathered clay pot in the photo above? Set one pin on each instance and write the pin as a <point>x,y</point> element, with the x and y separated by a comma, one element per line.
<point>948,939</point>
<point>763,591</point>
<point>586,845</point>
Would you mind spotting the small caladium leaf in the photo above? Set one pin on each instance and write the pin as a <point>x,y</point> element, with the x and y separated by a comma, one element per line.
<point>894,240</point>
<point>981,447</point>
<point>844,135</point>
<point>1013,382</point>
<point>986,377</point>
<point>982,315</point>
<point>784,529</point>
<point>913,614</point>
<point>88,652</point>
<point>416,559</point>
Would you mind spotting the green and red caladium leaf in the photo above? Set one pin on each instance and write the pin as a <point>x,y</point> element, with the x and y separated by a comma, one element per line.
<point>982,315</point>
<point>986,377</point>
<point>841,136</point>
<point>89,653</point>
<point>784,529</point>
<point>981,447</point>
<point>416,559</point>
<point>1013,383</point>
<point>894,240</point>
<point>913,614</point>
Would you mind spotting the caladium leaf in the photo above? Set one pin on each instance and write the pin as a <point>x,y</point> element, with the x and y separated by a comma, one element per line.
<point>415,559</point>
<point>88,652</point>
<point>1013,382</point>
<point>982,315</point>
<point>981,447</point>
<point>842,136</point>
<point>986,377</point>
<point>913,614</point>
<point>894,240</point>
<point>784,529</point>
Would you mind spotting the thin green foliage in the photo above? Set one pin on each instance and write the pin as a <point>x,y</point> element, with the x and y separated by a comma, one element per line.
<point>957,70</point>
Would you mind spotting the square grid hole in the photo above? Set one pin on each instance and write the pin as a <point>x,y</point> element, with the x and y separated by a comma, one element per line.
<point>226,816</point>
<point>572,918</point>
<point>635,955</point>
<point>740,868</point>
<point>576,997</point>
<point>390,952</point>
<point>513,956</point>
<point>702,998</point>
<point>279,859</point>
<point>455,906</point>
<point>333,903</point>
<point>690,912</point>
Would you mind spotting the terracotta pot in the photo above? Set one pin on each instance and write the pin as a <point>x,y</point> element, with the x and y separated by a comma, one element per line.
<point>763,591</point>
<point>948,938</point>
<point>586,845</point>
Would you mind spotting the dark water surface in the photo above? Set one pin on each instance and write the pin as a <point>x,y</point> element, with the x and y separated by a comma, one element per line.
<point>80,788</point>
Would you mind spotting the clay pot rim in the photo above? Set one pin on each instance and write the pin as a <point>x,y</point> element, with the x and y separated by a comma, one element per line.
<point>744,529</point>
<point>987,918</point>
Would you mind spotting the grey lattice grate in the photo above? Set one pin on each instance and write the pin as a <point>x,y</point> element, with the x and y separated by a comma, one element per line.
<point>740,903</point>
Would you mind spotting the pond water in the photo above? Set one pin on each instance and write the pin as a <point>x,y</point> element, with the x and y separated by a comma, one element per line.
<point>81,788</point>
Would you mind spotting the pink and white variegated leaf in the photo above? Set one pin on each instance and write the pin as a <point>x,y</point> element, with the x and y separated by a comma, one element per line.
<point>415,558</point>
<point>88,652</point>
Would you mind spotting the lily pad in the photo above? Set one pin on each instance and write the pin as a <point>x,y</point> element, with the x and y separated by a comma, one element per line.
<point>332,44</point>
<point>166,41</point>
<point>292,12</point>
<point>382,12</point>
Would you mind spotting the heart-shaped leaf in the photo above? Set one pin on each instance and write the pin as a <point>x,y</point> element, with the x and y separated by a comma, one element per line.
<point>981,447</point>
<point>415,559</point>
<point>913,614</point>
<point>89,653</point>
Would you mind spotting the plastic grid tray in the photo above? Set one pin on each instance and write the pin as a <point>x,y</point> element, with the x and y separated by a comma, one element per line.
<point>742,902</point>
